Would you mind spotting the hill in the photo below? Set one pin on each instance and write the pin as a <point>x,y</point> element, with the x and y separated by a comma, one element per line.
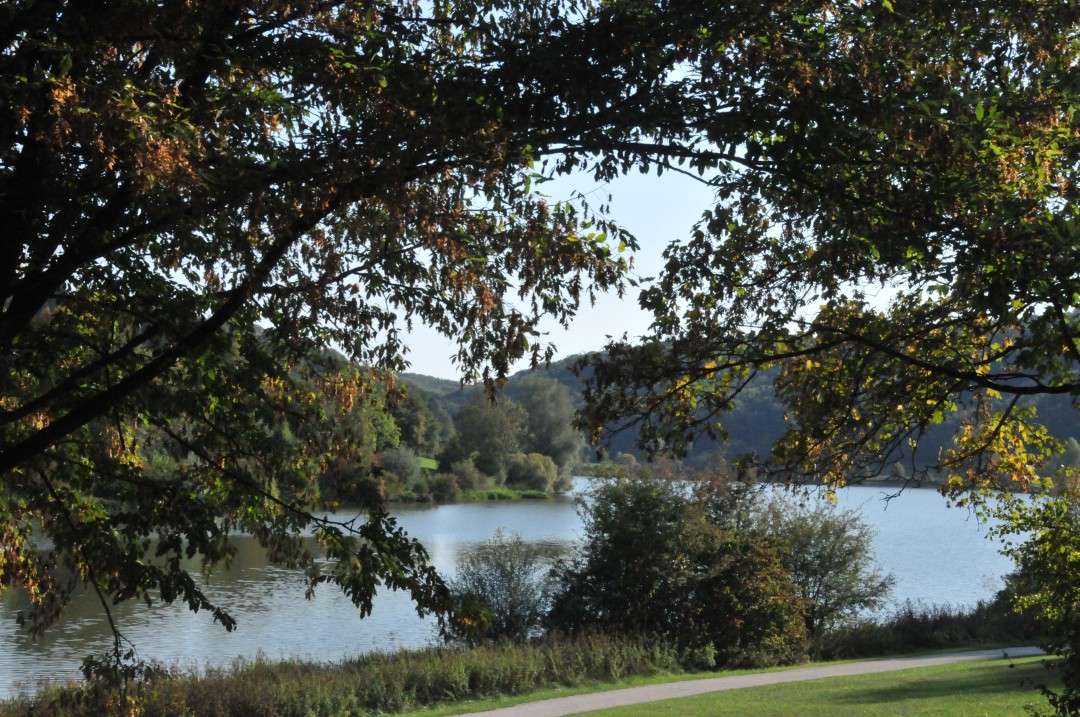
<point>753,426</point>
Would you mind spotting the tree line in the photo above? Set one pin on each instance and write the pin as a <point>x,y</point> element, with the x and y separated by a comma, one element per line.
<point>522,440</point>
<point>400,442</point>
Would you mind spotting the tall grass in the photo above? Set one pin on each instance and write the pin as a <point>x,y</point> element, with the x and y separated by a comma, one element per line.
<point>373,684</point>
<point>915,627</point>
<point>380,683</point>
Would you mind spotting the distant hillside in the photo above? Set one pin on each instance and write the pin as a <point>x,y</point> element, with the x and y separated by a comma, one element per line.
<point>430,384</point>
<point>754,425</point>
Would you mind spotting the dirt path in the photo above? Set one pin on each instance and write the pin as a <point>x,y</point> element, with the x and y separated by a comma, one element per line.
<point>652,693</point>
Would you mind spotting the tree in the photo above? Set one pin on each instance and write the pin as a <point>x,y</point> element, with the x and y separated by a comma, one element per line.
<point>620,576</point>
<point>549,411</point>
<point>503,588</point>
<point>421,428</point>
<point>1046,586</point>
<point>364,429</point>
<point>829,556</point>
<point>199,198</point>
<point>944,177</point>
<point>653,562</point>
<point>491,430</point>
<point>896,241</point>
<point>534,471</point>
<point>402,465</point>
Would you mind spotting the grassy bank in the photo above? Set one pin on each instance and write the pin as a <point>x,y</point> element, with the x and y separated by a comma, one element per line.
<point>421,679</point>
<point>995,687</point>
<point>483,494</point>
<point>372,684</point>
<point>914,627</point>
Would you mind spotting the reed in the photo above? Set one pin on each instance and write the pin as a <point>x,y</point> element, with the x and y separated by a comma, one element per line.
<point>371,684</point>
<point>916,627</point>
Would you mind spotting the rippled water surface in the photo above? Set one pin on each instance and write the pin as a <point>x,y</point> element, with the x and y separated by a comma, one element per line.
<point>938,555</point>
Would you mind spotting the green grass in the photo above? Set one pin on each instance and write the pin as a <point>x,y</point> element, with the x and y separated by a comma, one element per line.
<point>481,705</point>
<point>502,494</point>
<point>972,689</point>
<point>967,689</point>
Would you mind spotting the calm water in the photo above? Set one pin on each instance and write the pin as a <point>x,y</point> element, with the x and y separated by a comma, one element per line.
<point>938,555</point>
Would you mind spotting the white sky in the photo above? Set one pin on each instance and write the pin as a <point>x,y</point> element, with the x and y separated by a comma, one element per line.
<point>655,209</point>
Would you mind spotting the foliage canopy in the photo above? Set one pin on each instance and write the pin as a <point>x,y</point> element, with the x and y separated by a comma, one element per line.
<point>894,239</point>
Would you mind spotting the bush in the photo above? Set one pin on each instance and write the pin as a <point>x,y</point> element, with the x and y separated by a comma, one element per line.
<point>502,591</point>
<point>444,488</point>
<point>468,475</point>
<point>531,471</point>
<point>653,562</point>
<point>829,556</point>
<point>403,463</point>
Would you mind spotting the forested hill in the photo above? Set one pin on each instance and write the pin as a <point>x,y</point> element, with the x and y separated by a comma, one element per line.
<point>753,426</point>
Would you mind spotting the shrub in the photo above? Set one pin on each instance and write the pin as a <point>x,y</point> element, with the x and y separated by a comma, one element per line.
<point>829,556</point>
<point>444,488</point>
<point>533,471</point>
<point>468,475</point>
<point>403,463</point>
<point>653,562</point>
<point>502,591</point>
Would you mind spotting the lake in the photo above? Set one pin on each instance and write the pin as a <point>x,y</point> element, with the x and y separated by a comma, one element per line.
<point>938,555</point>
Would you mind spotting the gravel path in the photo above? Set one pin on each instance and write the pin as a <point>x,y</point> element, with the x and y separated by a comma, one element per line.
<point>652,693</point>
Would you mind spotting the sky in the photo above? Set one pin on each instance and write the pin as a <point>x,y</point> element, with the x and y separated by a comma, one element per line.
<point>657,210</point>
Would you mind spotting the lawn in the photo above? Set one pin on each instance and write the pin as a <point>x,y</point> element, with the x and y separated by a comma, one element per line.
<point>972,689</point>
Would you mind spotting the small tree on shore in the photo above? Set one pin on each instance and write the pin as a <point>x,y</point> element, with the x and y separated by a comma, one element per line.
<point>501,590</point>
<point>533,471</point>
<point>1047,584</point>
<point>829,557</point>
